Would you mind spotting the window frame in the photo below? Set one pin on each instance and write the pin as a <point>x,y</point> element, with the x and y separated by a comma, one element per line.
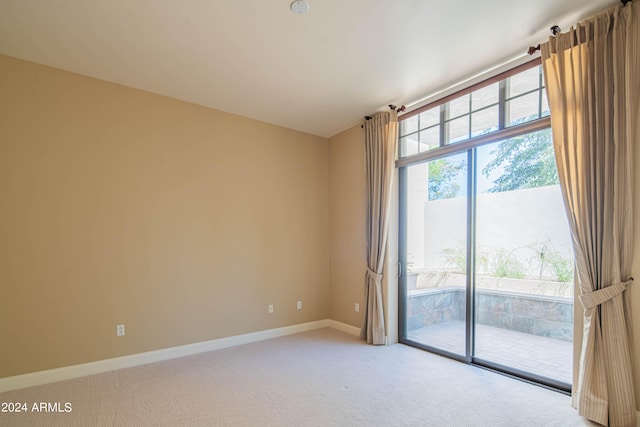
<point>504,130</point>
<point>467,146</point>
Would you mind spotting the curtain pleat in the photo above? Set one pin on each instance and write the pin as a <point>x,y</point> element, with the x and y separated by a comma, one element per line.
<point>381,135</point>
<point>592,79</point>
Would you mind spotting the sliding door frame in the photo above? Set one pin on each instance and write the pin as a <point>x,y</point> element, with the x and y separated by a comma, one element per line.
<point>470,259</point>
<point>470,147</point>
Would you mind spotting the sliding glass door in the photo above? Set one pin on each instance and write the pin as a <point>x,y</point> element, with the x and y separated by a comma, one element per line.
<point>524,260</point>
<point>485,252</point>
<point>486,259</point>
<point>436,218</point>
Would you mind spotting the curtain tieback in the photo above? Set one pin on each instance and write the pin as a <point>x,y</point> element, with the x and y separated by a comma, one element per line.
<point>595,298</point>
<point>373,275</point>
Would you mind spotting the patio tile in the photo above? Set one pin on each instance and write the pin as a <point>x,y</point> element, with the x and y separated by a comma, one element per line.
<point>549,357</point>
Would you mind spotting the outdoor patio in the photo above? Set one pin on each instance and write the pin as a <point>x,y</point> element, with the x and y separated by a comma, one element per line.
<point>552,358</point>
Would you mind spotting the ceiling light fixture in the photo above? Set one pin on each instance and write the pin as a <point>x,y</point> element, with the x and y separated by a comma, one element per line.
<point>299,7</point>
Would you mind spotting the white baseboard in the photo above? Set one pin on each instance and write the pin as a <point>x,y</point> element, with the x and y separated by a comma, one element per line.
<point>353,330</point>
<point>75,371</point>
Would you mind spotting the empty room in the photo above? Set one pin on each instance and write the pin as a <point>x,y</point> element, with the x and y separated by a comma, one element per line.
<point>319,213</point>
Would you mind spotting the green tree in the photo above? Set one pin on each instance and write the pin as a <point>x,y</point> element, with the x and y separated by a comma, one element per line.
<point>528,162</point>
<point>442,179</point>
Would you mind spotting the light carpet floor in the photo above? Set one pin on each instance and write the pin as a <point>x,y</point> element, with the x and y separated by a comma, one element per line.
<point>317,378</point>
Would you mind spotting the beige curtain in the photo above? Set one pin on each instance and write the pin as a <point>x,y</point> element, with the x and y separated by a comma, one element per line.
<point>381,140</point>
<point>591,74</point>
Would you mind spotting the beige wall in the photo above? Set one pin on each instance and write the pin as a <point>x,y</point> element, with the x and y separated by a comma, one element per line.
<point>347,210</point>
<point>120,206</point>
<point>348,238</point>
<point>348,235</point>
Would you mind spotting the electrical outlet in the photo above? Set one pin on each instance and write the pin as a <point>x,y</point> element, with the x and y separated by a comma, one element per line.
<point>356,307</point>
<point>120,330</point>
<point>299,305</point>
<point>270,308</point>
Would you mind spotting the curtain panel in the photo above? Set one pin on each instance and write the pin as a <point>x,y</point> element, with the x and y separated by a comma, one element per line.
<point>592,78</point>
<point>381,141</point>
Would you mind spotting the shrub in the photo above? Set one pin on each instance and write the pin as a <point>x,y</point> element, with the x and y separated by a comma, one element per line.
<point>504,265</point>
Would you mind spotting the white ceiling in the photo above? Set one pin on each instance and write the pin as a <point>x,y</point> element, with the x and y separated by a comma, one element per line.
<point>319,73</point>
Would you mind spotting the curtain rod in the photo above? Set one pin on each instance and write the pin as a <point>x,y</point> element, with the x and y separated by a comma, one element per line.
<point>392,107</point>
<point>555,30</point>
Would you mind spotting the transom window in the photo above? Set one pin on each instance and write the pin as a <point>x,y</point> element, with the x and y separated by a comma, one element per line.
<point>494,105</point>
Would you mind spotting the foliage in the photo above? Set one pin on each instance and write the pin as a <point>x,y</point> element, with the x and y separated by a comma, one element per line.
<point>442,174</point>
<point>483,261</point>
<point>505,265</point>
<point>562,267</point>
<point>502,263</point>
<point>492,263</point>
<point>456,258</point>
<point>528,160</point>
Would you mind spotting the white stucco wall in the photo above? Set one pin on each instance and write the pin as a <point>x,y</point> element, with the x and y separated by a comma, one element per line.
<point>519,223</point>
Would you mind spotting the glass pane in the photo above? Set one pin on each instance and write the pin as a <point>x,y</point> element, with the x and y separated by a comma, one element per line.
<point>436,253</point>
<point>429,118</point>
<point>430,138</point>
<point>458,130</point>
<point>545,104</point>
<point>523,82</point>
<point>522,109</point>
<point>409,145</point>
<point>484,121</point>
<point>524,259</point>
<point>485,96</point>
<point>409,125</point>
<point>458,106</point>
<point>402,147</point>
